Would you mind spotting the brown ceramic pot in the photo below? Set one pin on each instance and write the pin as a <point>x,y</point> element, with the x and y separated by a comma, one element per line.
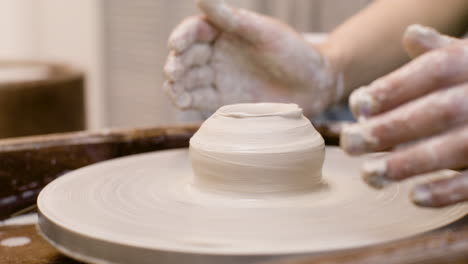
<point>40,98</point>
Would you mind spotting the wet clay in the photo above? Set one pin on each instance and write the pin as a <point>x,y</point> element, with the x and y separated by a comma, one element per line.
<point>257,148</point>
<point>155,208</point>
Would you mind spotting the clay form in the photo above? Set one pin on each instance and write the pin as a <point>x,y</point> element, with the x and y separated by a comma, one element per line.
<point>257,149</point>
<point>152,208</point>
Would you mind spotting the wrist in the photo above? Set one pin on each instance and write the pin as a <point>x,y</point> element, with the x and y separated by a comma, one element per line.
<point>334,63</point>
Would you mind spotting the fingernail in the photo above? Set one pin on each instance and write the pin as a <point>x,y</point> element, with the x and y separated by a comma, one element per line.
<point>417,30</point>
<point>178,43</point>
<point>362,103</point>
<point>422,195</point>
<point>173,69</point>
<point>357,139</point>
<point>219,6</point>
<point>374,173</point>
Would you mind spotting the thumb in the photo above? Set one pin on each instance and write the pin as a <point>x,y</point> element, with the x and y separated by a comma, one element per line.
<point>233,20</point>
<point>420,39</point>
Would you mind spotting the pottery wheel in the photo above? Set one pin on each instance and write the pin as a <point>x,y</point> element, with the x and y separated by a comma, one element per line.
<point>144,209</point>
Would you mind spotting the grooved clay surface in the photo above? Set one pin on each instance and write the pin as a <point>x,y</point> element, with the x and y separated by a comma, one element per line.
<point>263,148</point>
<point>144,208</point>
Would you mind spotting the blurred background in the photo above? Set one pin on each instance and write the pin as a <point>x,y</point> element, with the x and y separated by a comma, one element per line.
<point>120,46</point>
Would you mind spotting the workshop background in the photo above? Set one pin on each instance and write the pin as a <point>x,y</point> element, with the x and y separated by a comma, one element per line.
<point>121,46</point>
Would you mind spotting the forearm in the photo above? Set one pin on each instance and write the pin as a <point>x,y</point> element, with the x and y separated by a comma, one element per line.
<point>368,45</point>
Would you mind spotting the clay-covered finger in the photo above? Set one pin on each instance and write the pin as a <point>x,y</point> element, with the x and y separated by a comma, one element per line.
<point>176,92</point>
<point>205,99</point>
<point>419,39</point>
<point>192,30</point>
<point>446,151</point>
<point>178,64</point>
<point>198,77</point>
<point>197,55</point>
<point>424,117</point>
<point>174,68</point>
<point>434,70</point>
<point>171,89</point>
<point>442,192</point>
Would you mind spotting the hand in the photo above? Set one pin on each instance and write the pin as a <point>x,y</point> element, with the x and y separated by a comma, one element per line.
<point>231,55</point>
<point>425,101</point>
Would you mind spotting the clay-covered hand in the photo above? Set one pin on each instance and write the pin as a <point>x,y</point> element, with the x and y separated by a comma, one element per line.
<point>230,55</point>
<point>423,104</point>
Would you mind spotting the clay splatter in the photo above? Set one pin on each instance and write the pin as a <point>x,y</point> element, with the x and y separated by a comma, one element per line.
<point>15,241</point>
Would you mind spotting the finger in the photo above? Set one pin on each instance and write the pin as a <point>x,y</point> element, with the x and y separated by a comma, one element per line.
<point>433,70</point>
<point>179,97</point>
<point>177,64</point>
<point>442,192</point>
<point>197,55</point>
<point>205,99</point>
<point>446,151</point>
<point>422,118</point>
<point>198,77</point>
<point>192,30</point>
<point>419,39</point>
<point>234,20</point>
<point>174,68</point>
